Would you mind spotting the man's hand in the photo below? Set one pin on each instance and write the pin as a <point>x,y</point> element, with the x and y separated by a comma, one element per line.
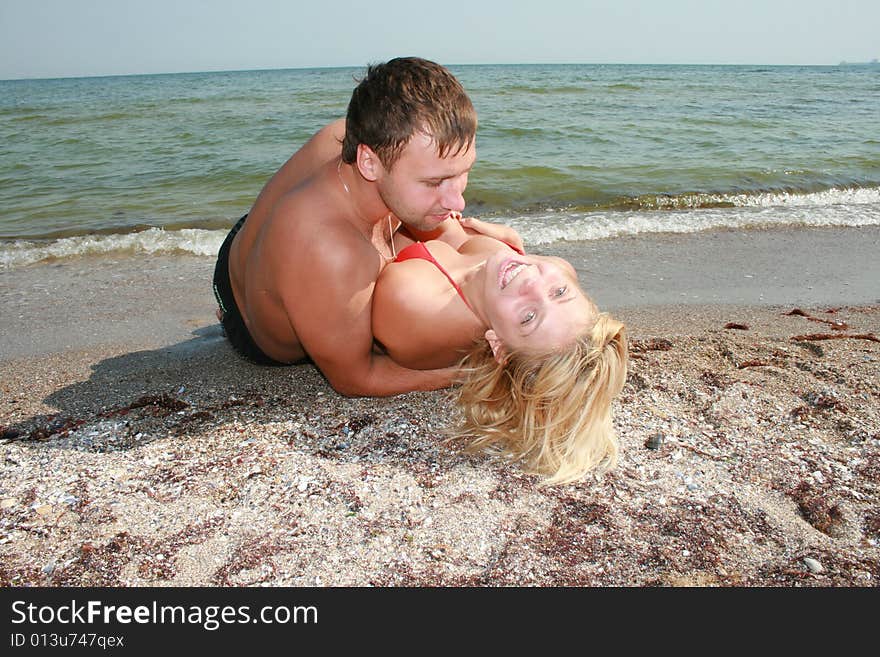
<point>497,231</point>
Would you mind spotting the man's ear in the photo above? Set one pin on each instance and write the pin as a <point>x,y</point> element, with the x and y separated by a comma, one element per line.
<point>496,345</point>
<point>368,163</point>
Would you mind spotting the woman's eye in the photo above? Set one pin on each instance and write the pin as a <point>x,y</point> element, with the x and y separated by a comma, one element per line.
<point>528,317</point>
<point>560,291</point>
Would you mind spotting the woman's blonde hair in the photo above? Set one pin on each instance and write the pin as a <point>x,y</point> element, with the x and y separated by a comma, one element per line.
<point>550,410</point>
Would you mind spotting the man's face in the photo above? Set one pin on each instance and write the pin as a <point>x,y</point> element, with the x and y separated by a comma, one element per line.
<point>422,188</point>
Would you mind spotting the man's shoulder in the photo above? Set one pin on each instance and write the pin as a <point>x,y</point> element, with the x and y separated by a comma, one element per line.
<point>303,213</point>
<point>320,248</point>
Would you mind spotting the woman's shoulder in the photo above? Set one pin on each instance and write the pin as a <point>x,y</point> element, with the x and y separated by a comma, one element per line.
<point>416,314</point>
<point>402,283</point>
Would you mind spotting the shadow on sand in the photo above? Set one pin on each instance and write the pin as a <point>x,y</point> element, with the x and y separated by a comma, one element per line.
<point>137,393</point>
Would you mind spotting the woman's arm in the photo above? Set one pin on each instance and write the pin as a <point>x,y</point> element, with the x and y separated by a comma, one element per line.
<point>506,234</point>
<point>457,230</point>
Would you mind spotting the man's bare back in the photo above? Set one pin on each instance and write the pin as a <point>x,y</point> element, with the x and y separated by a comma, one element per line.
<point>274,245</point>
<point>303,266</point>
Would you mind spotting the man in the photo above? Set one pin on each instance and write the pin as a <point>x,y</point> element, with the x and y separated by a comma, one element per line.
<point>295,277</point>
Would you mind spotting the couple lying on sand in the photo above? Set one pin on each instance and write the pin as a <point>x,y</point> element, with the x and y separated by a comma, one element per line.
<point>355,256</point>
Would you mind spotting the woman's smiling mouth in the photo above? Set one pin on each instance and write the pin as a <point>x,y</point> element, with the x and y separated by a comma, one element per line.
<point>510,270</point>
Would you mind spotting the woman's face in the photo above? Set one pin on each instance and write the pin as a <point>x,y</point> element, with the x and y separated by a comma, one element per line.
<point>534,303</point>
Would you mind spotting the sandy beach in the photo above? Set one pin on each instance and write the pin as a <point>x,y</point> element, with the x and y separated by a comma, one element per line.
<point>139,450</point>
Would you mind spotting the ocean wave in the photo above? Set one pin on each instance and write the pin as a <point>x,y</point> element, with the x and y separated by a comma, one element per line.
<point>589,188</point>
<point>840,208</point>
<point>196,241</point>
<point>759,199</point>
<point>549,227</point>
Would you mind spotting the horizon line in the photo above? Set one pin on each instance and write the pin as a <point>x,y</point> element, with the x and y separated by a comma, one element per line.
<point>873,62</point>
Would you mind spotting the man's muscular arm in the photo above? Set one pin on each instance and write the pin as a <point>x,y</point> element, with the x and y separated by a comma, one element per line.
<point>330,311</point>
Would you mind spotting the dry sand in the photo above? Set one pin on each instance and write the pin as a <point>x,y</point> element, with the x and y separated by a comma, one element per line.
<point>138,450</point>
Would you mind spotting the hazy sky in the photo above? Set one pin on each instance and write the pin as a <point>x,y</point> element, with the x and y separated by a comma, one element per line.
<point>60,38</point>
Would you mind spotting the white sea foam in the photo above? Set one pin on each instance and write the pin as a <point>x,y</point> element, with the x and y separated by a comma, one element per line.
<point>833,196</point>
<point>834,208</point>
<point>828,197</point>
<point>847,207</point>
<point>153,240</point>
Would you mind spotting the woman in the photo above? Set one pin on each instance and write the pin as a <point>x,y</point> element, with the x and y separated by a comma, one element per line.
<point>541,364</point>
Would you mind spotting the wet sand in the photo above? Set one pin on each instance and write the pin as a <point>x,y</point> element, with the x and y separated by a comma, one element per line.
<point>139,450</point>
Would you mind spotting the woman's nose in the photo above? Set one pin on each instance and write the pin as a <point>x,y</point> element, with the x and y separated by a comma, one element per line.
<point>528,280</point>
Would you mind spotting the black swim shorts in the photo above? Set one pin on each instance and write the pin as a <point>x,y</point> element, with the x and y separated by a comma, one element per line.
<point>233,324</point>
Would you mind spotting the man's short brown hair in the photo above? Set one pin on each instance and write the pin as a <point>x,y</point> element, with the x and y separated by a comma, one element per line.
<point>404,96</point>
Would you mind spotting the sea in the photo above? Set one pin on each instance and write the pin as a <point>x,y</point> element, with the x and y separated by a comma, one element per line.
<point>167,163</point>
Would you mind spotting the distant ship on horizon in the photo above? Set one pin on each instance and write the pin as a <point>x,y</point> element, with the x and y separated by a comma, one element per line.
<point>873,62</point>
